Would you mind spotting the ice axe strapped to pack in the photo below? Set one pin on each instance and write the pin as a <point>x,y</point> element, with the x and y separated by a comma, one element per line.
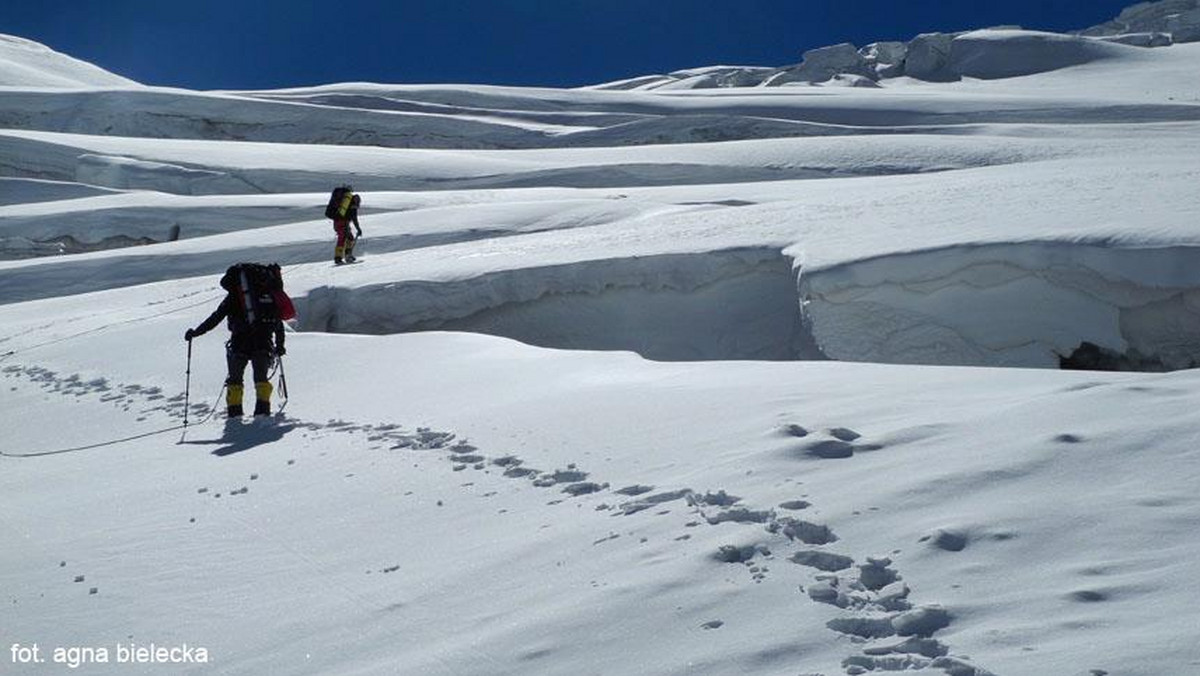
<point>258,291</point>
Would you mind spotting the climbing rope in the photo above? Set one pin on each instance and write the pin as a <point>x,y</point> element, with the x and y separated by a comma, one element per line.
<point>96,329</point>
<point>113,442</point>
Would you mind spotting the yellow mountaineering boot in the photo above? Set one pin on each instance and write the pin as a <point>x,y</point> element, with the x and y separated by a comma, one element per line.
<point>233,399</point>
<point>262,405</point>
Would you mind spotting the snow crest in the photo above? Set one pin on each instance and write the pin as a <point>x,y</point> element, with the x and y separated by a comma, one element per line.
<point>25,63</point>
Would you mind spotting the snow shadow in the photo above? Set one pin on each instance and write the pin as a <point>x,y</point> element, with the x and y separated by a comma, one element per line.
<point>239,436</point>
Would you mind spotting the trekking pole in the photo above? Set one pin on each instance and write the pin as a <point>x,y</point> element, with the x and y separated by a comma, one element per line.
<point>187,387</point>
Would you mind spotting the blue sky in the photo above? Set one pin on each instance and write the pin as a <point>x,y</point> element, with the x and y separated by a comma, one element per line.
<point>259,44</point>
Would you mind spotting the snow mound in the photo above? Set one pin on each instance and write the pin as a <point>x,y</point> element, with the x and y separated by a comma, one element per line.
<point>25,63</point>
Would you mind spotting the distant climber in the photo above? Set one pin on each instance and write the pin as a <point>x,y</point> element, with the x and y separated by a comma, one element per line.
<point>255,307</point>
<point>343,210</point>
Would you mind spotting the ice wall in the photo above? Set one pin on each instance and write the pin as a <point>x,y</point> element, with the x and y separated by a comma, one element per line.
<point>1009,305</point>
<point>1014,305</point>
<point>735,304</point>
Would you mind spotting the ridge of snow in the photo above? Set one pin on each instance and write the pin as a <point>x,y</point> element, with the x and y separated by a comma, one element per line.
<point>27,64</point>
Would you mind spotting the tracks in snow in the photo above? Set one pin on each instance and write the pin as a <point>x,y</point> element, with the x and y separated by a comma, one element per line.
<point>875,613</point>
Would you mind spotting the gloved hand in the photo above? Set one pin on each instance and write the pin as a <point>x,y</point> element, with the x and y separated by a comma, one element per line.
<point>359,233</point>
<point>189,335</point>
<point>280,351</point>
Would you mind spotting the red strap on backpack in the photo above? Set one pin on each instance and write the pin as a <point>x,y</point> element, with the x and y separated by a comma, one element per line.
<point>287,310</point>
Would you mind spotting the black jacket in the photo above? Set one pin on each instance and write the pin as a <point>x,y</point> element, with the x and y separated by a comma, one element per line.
<point>245,338</point>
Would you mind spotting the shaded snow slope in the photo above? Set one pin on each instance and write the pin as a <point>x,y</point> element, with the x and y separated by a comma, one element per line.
<point>27,191</point>
<point>169,113</point>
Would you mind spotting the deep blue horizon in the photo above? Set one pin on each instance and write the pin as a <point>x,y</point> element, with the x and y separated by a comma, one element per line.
<point>266,44</point>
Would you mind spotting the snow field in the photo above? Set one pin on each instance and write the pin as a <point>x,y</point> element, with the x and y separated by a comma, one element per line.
<point>643,469</point>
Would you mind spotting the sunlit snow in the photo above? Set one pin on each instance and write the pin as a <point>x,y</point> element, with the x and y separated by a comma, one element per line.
<point>683,374</point>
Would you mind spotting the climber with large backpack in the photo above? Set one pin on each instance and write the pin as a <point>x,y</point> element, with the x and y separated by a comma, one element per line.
<point>343,210</point>
<point>255,307</point>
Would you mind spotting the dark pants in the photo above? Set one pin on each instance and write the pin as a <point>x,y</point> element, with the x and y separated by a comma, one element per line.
<point>260,361</point>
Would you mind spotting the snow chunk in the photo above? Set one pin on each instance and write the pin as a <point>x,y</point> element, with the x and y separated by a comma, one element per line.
<point>823,64</point>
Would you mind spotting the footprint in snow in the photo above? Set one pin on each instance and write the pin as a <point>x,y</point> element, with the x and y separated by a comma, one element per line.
<point>745,555</point>
<point>795,505</point>
<point>836,443</point>
<point>651,500</point>
<point>947,539</point>
<point>569,475</point>
<point>826,561</point>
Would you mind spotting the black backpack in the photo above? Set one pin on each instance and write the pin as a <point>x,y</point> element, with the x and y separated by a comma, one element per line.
<point>339,202</point>
<point>258,293</point>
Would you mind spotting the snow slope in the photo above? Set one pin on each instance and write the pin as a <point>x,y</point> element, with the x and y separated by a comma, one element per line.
<point>25,63</point>
<point>608,395</point>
